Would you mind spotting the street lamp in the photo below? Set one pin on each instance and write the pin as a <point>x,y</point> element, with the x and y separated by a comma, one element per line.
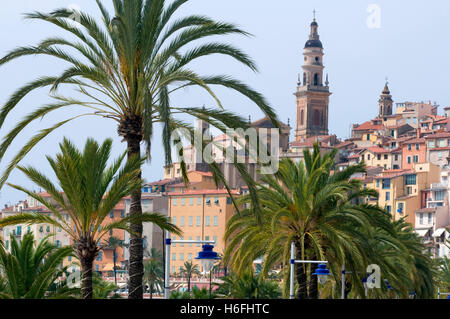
<point>322,274</point>
<point>208,257</point>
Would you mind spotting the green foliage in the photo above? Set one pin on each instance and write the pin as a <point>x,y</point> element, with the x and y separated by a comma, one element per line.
<point>248,286</point>
<point>103,289</point>
<point>31,269</point>
<point>196,293</point>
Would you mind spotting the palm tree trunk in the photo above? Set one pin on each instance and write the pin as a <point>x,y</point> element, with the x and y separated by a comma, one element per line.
<point>86,277</point>
<point>136,267</point>
<point>313,283</point>
<point>300,275</point>
<point>151,290</point>
<point>114,261</point>
<point>189,283</point>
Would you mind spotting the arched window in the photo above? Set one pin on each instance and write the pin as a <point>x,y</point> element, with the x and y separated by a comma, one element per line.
<point>316,117</point>
<point>304,78</point>
<point>302,117</point>
<point>316,79</point>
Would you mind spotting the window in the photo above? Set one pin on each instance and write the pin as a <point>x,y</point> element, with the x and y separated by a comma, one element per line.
<point>430,218</point>
<point>190,245</point>
<point>417,146</point>
<point>199,201</point>
<point>368,157</point>
<point>409,159</point>
<point>182,201</point>
<point>58,243</point>
<point>174,256</point>
<point>396,158</point>
<point>97,267</point>
<point>439,195</point>
<point>207,221</point>
<point>215,240</point>
<point>110,232</point>
<point>378,183</point>
<point>388,195</point>
<point>441,143</point>
<point>19,230</point>
<point>386,183</point>
<point>416,158</point>
<point>174,202</point>
<point>199,221</point>
<point>7,244</point>
<point>388,209</point>
<point>173,269</point>
<point>228,200</point>
<point>208,201</point>
<point>191,201</point>
<point>190,256</point>
<point>191,221</point>
<point>392,133</point>
<point>122,214</point>
<point>421,218</point>
<point>409,190</point>
<point>400,208</point>
<point>431,144</point>
<point>48,229</point>
<point>216,201</point>
<point>409,147</point>
<point>111,214</point>
<point>181,244</point>
<point>302,116</point>
<point>198,238</point>
<point>410,179</point>
<point>182,221</point>
<point>316,118</point>
<point>99,256</point>
<point>379,156</point>
<point>385,156</point>
<point>316,79</point>
<point>216,221</point>
<point>174,220</point>
<point>368,137</point>
<point>174,244</point>
<point>69,258</point>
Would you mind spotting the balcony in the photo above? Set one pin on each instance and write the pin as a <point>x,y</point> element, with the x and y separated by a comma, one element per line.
<point>439,186</point>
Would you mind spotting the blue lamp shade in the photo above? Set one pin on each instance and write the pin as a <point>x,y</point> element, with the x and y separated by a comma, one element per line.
<point>387,284</point>
<point>322,273</point>
<point>207,257</point>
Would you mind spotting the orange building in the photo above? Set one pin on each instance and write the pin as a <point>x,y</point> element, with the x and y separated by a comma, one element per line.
<point>201,215</point>
<point>414,151</point>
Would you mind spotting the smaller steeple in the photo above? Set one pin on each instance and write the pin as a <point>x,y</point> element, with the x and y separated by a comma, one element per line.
<point>385,101</point>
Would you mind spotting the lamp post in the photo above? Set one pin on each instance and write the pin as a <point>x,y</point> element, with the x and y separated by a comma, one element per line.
<point>322,272</point>
<point>206,264</point>
<point>208,257</point>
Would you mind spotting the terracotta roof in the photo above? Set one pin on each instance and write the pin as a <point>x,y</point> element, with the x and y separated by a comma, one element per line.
<point>438,135</point>
<point>353,156</point>
<point>378,150</point>
<point>445,148</point>
<point>368,126</point>
<point>415,141</point>
<point>394,173</point>
<point>204,192</point>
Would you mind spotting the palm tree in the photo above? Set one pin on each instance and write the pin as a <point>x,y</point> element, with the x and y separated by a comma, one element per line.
<point>113,243</point>
<point>91,189</point>
<point>29,271</point>
<point>126,69</point>
<point>154,271</point>
<point>307,204</point>
<point>189,269</point>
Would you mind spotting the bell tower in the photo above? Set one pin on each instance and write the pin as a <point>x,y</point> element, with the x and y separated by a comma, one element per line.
<point>385,102</point>
<point>313,94</point>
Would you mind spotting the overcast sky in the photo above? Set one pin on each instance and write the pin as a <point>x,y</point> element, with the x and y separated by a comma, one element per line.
<point>410,46</point>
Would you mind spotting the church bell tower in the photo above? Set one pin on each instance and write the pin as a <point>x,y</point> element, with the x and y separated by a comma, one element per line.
<point>313,94</point>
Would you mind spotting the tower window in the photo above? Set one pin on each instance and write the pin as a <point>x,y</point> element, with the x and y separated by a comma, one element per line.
<point>304,78</point>
<point>302,117</point>
<point>317,59</point>
<point>316,79</point>
<point>316,117</point>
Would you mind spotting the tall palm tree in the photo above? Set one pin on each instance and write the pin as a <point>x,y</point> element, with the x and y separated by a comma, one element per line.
<point>31,268</point>
<point>189,269</point>
<point>126,69</point>
<point>90,190</point>
<point>154,271</point>
<point>308,204</point>
<point>113,243</point>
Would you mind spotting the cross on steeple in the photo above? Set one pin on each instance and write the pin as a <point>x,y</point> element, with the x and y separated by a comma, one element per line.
<point>314,14</point>
<point>387,81</point>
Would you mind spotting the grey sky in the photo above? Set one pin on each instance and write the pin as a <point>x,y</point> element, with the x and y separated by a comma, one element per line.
<point>411,48</point>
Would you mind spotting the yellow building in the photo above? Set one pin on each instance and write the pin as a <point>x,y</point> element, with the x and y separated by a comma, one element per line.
<point>400,191</point>
<point>379,157</point>
<point>201,215</point>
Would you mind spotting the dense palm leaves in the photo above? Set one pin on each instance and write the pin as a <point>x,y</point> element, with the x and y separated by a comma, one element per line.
<point>154,271</point>
<point>126,69</point>
<point>316,208</point>
<point>91,189</point>
<point>31,269</point>
<point>248,286</point>
<point>188,270</point>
